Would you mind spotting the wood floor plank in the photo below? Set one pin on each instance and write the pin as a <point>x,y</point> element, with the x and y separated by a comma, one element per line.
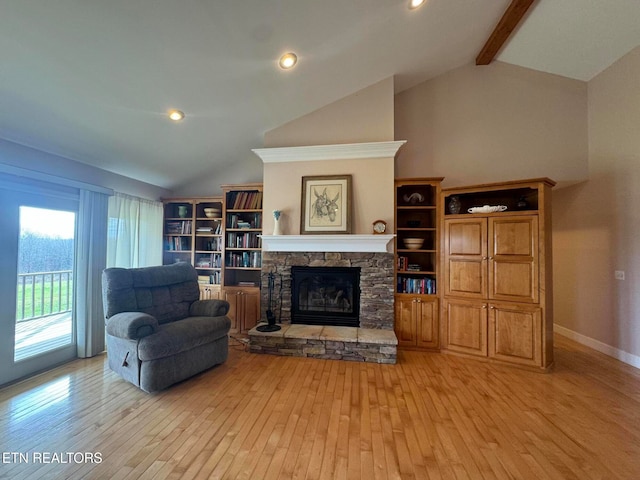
<point>431,416</point>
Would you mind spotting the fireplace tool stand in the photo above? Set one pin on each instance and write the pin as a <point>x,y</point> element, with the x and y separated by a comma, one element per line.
<point>271,318</point>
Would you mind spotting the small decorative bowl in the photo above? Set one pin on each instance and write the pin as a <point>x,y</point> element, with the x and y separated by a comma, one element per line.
<point>212,212</point>
<point>413,243</point>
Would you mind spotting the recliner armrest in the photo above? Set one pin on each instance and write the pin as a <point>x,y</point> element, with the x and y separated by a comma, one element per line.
<point>132,325</point>
<point>209,308</point>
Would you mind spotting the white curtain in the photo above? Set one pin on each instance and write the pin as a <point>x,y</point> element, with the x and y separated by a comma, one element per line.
<point>90,261</point>
<point>135,232</point>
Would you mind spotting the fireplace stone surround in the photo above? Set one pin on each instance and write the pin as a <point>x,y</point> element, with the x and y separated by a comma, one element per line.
<point>376,282</point>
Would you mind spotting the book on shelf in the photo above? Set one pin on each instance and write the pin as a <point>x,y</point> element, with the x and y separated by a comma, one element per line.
<point>417,285</point>
<point>245,200</point>
<point>244,259</point>
<point>243,240</point>
<point>182,227</point>
<point>177,243</point>
<point>212,279</point>
<point>247,284</point>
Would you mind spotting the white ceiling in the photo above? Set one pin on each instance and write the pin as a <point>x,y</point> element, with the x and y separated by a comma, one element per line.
<point>92,80</point>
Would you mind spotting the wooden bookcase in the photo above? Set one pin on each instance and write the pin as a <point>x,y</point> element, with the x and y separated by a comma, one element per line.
<point>195,235</point>
<point>417,223</point>
<point>242,253</point>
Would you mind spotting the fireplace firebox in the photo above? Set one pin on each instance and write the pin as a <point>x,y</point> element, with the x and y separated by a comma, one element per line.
<point>325,296</point>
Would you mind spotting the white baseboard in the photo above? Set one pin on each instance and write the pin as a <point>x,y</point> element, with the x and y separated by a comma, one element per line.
<point>628,358</point>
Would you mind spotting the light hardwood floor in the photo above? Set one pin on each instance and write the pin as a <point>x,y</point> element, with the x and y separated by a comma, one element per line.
<point>431,416</point>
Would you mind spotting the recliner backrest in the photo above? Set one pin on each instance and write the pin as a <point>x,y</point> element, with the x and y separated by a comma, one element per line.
<point>165,291</point>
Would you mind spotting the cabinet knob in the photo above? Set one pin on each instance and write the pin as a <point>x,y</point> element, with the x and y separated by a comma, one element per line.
<point>484,306</point>
<point>492,307</point>
<point>485,258</point>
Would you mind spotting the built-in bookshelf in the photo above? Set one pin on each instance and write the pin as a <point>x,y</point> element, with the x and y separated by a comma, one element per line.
<point>194,233</point>
<point>416,270</point>
<point>243,227</point>
<point>178,231</point>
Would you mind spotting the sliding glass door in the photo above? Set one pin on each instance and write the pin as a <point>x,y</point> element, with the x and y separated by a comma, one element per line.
<point>44,302</point>
<point>37,288</point>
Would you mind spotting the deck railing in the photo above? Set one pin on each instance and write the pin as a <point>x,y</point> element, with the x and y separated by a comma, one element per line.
<point>44,293</point>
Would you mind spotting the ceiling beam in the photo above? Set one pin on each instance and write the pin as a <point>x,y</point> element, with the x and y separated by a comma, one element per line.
<point>501,33</point>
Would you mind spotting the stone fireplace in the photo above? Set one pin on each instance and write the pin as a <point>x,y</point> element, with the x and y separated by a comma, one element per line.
<point>371,336</point>
<point>376,282</point>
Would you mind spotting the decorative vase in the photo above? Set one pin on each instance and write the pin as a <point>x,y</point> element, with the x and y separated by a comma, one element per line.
<point>276,227</point>
<point>454,205</point>
<point>522,203</point>
<point>182,211</point>
<point>276,222</point>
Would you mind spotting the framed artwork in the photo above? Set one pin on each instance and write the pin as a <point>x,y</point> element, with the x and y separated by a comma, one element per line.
<point>326,204</point>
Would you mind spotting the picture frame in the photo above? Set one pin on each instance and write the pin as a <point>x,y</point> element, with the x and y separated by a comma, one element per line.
<point>326,205</point>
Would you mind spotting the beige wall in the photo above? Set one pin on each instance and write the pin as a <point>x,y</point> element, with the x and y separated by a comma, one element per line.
<point>494,123</point>
<point>32,159</point>
<point>372,181</point>
<point>597,223</point>
<point>365,116</point>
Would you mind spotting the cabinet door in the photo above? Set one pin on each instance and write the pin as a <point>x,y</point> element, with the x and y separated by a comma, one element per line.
<point>209,292</point>
<point>250,310</point>
<point>465,252</point>
<point>235,308</point>
<point>515,333</point>
<point>466,326</point>
<point>405,321</point>
<point>244,308</point>
<point>426,313</point>
<point>513,258</point>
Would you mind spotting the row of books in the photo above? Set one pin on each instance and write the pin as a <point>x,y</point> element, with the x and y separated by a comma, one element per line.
<point>244,200</point>
<point>177,243</point>
<point>214,279</point>
<point>403,265</point>
<point>243,240</point>
<point>244,259</point>
<point>213,260</point>
<point>178,227</point>
<point>245,220</point>
<point>208,230</point>
<point>417,285</point>
<point>211,244</point>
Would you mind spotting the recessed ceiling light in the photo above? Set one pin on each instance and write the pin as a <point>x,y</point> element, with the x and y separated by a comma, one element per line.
<point>288,60</point>
<point>413,4</point>
<point>176,115</point>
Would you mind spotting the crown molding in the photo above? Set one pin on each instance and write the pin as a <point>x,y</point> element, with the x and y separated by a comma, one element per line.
<point>345,151</point>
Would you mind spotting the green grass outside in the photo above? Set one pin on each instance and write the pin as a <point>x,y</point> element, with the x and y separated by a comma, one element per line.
<point>35,305</point>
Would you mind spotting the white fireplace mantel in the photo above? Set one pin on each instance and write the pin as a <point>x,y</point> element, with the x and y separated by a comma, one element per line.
<point>325,243</point>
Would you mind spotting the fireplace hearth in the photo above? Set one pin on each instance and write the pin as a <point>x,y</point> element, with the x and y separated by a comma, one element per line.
<point>325,296</point>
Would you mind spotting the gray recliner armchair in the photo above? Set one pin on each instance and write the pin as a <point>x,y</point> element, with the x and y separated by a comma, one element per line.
<point>158,331</point>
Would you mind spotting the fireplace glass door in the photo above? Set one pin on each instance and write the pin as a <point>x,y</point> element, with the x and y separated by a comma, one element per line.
<point>325,296</point>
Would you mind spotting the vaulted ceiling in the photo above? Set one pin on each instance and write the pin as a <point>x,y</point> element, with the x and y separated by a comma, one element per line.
<point>92,81</point>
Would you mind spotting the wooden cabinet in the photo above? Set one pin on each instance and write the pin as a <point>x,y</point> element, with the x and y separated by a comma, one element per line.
<point>210,292</point>
<point>466,326</point>
<point>497,292</point>
<point>416,320</point>
<point>244,308</point>
<point>417,221</point>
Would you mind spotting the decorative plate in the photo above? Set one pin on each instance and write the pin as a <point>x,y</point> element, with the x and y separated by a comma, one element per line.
<point>488,209</point>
